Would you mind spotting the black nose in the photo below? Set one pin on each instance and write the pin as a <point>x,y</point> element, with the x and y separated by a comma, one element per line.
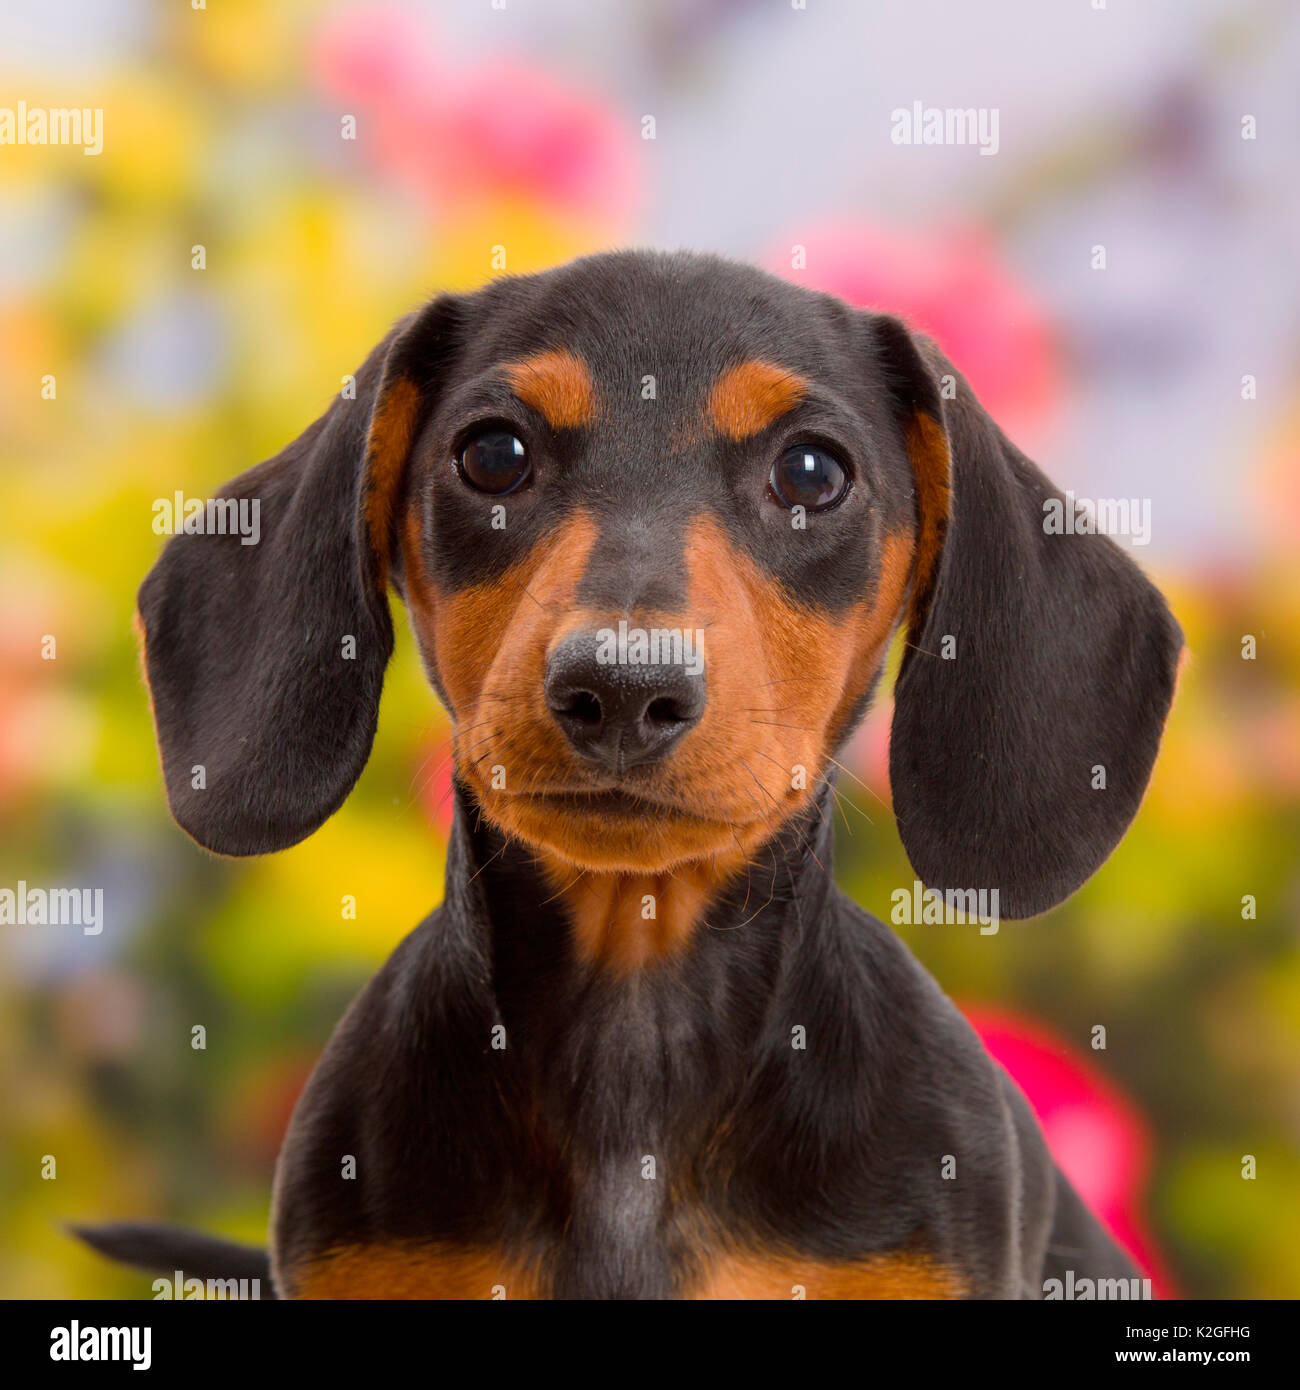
<point>620,713</point>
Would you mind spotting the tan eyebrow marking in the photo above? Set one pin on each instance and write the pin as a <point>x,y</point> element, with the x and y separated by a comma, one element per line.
<point>557,385</point>
<point>746,399</point>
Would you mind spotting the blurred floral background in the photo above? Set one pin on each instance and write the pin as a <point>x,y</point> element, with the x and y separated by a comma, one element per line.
<point>519,128</point>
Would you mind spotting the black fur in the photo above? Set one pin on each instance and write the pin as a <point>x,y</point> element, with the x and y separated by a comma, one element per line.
<point>834,1152</point>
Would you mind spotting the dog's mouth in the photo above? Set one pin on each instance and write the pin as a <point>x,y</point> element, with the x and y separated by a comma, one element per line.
<point>621,828</point>
<point>610,801</point>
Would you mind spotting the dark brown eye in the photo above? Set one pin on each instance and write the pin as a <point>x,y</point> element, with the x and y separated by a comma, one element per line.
<point>807,476</point>
<point>495,462</point>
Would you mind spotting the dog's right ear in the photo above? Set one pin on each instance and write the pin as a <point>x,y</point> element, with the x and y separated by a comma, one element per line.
<point>265,660</point>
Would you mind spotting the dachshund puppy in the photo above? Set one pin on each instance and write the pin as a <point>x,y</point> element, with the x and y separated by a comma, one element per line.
<point>655,520</point>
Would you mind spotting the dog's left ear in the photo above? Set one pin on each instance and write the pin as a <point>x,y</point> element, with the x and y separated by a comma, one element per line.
<point>1039,666</point>
<point>265,660</point>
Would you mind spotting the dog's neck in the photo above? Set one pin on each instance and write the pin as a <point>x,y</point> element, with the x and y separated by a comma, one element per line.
<point>606,1076</point>
<point>661,931</point>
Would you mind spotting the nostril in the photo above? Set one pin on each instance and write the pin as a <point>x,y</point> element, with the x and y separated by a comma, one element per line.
<point>583,706</point>
<point>666,710</point>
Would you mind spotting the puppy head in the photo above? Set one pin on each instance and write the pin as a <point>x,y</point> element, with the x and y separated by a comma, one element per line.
<point>655,520</point>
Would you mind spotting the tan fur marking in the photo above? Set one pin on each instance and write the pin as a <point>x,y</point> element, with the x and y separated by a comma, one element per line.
<point>747,398</point>
<point>880,1277</point>
<point>557,385</point>
<point>404,1271</point>
<point>870,624</point>
<point>411,1272</point>
<point>610,926</point>
<point>927,448</point>
<point>391,433</point>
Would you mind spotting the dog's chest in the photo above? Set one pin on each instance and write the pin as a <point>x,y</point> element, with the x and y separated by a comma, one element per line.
<point>622,1261</point>
<point>629,1211</point>
<point>625,1150</point>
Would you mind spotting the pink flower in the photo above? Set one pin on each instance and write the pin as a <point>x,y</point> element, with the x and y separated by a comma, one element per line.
<point>434,771</point>
<point>867,755</point>
<point>954,286</point>
<point>1094,1132</point>
<point>467,130</point>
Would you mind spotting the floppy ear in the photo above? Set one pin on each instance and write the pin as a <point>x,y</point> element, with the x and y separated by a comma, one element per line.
<point>265,661</point>
<point>1038,666</point>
